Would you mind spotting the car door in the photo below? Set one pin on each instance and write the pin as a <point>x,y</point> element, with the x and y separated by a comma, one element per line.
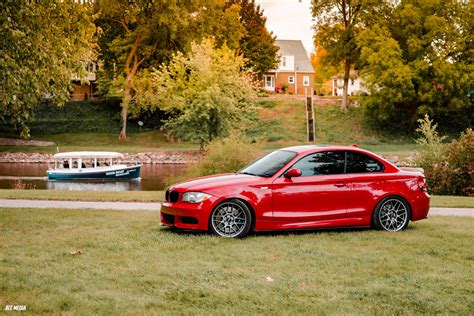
<point>320,193</point>
<point>366,179</point>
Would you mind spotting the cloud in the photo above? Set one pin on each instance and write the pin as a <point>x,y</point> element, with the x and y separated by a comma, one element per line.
<point>290,19</point>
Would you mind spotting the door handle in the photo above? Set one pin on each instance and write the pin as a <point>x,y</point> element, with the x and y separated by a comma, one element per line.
<point>340,185</point>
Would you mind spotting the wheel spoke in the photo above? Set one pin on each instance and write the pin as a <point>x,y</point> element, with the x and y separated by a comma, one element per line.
<point>229,219</point>
<point>393,215</point>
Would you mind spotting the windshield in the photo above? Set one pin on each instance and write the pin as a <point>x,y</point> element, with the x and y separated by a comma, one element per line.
<point>268,165</point>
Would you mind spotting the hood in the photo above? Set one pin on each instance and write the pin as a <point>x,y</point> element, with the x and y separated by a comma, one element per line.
<point>216,181</point>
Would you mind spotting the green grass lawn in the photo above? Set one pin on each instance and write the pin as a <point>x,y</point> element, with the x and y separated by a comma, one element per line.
<point>452,201</point>
<point>125,196</point>
<point>155,196</point>
<point>129,265</point>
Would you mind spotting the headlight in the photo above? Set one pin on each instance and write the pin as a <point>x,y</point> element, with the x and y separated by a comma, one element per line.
<point>195,197</point>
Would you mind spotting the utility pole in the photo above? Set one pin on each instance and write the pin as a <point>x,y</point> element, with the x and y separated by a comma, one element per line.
<point>310,115</point>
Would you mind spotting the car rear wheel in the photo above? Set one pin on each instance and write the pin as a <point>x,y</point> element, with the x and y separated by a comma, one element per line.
<point>392,214</point>
<point>231,218</point>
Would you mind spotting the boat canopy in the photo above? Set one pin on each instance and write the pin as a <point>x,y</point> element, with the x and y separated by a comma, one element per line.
<point>88,155</point>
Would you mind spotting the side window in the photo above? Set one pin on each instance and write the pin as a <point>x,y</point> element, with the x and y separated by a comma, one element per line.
<point>361,163</point>
<point>322,163</point>
<point>305,80</point>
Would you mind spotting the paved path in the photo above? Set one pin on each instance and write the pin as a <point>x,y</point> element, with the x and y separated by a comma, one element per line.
<point>139,206</point>
<point>443,211</point>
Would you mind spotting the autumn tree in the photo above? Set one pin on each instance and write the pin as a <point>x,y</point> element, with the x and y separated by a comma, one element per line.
<point>43,45</point>
<point>323,69</point>
<point>207,92</point>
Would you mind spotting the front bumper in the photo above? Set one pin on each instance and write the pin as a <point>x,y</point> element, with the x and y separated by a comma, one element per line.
<point>184,215</point>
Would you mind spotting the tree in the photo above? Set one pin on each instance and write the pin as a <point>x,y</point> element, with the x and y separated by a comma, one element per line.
<point>336,27</point>
<point>143,34</point>
<point>135,32</point>
<point>337,24</point>
<point>43,44</point>
<point>417,62</point>
<point>257,44</point>
<point>323,70</point>
<point>207,92</point>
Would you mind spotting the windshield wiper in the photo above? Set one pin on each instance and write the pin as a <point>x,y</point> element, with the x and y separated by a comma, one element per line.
<point>249,173</point>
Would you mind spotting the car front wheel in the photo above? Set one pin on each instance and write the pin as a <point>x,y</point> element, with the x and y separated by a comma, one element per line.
<point>391,214</point>
<point>231,218</point>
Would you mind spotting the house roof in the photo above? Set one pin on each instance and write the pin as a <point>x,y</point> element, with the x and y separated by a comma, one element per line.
<point>296,48</point>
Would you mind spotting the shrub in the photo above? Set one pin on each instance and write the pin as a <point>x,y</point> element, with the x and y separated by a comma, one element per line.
<point>459,178</point>
<point>221,156</point>
<point>431,142</point>
<point>449,167</point>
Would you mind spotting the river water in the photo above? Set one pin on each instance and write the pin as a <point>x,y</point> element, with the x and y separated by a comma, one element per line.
<point>34,176</point>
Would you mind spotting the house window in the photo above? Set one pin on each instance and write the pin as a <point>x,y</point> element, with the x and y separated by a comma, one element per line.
<point>291,79</point>
<point>269,82</point>
<point>305,80</point>
<point>283,61</point>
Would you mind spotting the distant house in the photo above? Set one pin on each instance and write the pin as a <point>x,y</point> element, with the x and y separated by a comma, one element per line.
<point>356,84</point>
<point>83,91</point>
<point>295,72</point>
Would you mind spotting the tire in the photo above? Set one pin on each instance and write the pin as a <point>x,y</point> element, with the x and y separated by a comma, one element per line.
<point>231,219</point>
<point>391,214</point>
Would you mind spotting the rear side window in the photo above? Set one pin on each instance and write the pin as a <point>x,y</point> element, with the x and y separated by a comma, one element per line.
<point>321,163</point>
<point>361,163</point>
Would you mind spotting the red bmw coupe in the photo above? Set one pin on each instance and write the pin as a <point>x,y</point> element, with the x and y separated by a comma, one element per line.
<point>300,187</point>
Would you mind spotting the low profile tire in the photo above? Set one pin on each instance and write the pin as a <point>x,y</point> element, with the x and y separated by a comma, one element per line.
<point>391,214</point>
<point>232,219</point>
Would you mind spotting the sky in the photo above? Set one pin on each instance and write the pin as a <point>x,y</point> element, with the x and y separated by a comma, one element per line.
<point>289,19</point>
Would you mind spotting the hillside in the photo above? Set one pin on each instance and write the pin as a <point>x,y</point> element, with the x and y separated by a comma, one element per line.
<point>281,122</point>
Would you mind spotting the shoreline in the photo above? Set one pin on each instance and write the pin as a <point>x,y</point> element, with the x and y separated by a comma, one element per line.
<point>178,157</point>
<point>159,157</point>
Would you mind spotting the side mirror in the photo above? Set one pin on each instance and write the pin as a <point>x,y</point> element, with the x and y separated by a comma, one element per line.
<point>294,172</point>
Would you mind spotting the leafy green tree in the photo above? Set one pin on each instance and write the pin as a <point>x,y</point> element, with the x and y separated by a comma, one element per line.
<point>337,24</point>
<point>43,45</point>
<point>418,61</point>
<point>142,34</point>
<point>207,92</point>
<point>219,19</point>
<point>135,33</point>
<point>257,44</point>
<point>336,27</point>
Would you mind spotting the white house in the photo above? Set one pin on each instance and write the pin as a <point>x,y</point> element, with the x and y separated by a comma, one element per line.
<point>356,84</point>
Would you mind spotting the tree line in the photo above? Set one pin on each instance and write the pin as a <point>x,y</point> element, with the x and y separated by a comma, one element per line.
<point>415,57</point>
<point>46,43</point>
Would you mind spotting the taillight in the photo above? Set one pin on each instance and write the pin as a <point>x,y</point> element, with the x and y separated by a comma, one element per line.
<point>422,184</point>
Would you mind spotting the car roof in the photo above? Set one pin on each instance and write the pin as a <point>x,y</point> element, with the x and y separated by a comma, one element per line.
<point>308,149</point>
<point>314,148</point>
